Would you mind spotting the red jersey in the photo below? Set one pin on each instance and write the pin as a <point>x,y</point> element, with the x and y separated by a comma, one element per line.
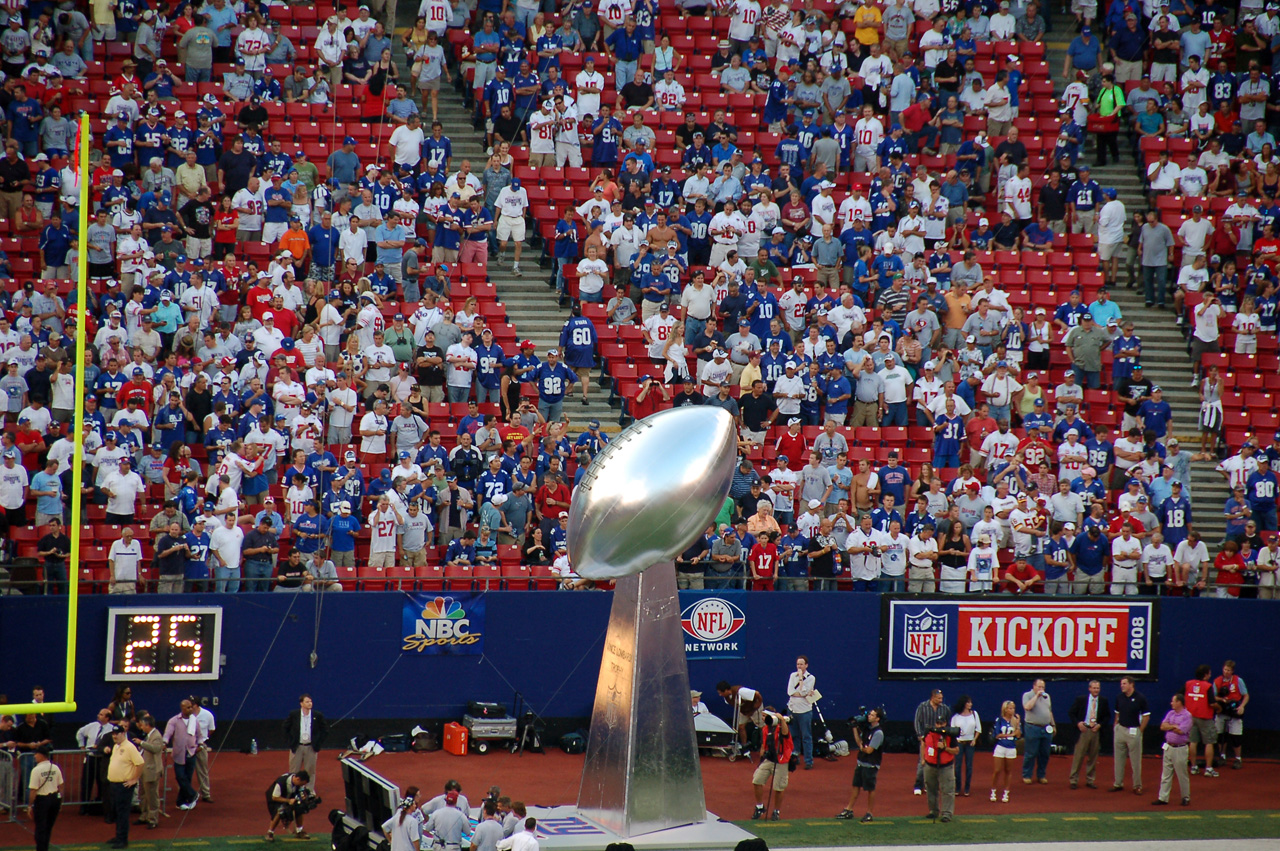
<point>1117,524</point>
<point>1264,247</point>
<point>1199,698</point>
<point>764,559</point>
<point>259,300</point>
<point>794,446</point>
<point>1229,689</point>
<point>1229,567</point>
<point>1035,450</point>
<point>650,404</point>
<point>977,430</point>
<point>286,321</point>
<point>141,390</point>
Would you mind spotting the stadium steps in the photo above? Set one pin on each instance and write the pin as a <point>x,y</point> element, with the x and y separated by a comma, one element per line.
<point>531,304</point>
<point>1165,359</point>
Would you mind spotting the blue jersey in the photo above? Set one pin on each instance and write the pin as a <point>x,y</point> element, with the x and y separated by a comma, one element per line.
<point>312,526</point>
<point>489,363</point>
<point>489,485</point>
<point>1260,490</point>
<point>1126,352</point>
<point>791,153</point>
<point>950,437</point>
<point>1175,517</point>
<point>499,93</point>
<point>606,133</point>
<point>1084,195</point>
<point>578,342</point>
<point>1101,454</point>
<point>1058,551</point>
<point>880,519</point>
<point>1090,552</point>
<point>844,137</point>
<point>806,135</point>
<point>150,141</point>
<point>566,240</point>
<point>553,382</point>
<point>197,566</point>
<point>123,154</point>
<point>767,308</point>
<point>1156,416</point>
<point>895,480</point>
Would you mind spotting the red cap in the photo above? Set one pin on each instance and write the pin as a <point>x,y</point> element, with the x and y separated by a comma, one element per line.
<point>451,797</point>
<point>973,486</point>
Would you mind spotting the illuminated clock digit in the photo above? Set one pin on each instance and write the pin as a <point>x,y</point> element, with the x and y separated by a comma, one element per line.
<point>194,645</point>
<point>136,645</point>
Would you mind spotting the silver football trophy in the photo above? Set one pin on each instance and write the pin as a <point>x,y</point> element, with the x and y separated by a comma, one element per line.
<point>643,501</point>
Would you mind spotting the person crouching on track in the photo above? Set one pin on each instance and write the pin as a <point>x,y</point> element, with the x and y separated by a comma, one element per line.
<point>282,800</point>
<point>774,769</point>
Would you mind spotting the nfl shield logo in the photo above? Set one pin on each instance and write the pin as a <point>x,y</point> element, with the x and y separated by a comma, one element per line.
<point>926,636</point>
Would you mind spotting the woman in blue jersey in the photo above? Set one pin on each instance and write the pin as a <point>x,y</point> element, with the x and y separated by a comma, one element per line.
<point>1005,730</point>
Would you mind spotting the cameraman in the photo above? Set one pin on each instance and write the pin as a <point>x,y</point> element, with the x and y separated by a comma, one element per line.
<point>868,767</point>
<point>927,716</point>
<point>775,763</point>
<point>1233,697</point>
<point>288,800</point>
<point>940,749</point>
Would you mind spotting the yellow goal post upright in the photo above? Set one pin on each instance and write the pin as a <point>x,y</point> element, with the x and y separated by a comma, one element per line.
<point>80,160</point>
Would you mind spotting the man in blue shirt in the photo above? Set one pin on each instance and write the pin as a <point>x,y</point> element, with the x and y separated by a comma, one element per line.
<point>1261,488</point>
<point>1090,551</point>
<point>489,363</point>
<point>197,567</point>
<point>324,247</point>
<point>1156,413</point>
<point>606,133</point>
<point>477,222</point>
<point>1175,516</point>
<point>390,238</point>
<point>485,46</point>
<point>1082,201</point>
<point>578,340</point>
<point>553,380</point>
<point>342,530</point>
<point>625,44</point>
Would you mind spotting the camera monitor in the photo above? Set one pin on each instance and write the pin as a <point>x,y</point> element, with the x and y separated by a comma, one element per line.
<point>371,798</point>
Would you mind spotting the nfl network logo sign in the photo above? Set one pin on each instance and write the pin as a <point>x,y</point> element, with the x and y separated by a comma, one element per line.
<point>925,636</point>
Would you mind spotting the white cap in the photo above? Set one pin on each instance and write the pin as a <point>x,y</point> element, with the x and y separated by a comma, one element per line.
<point>813,503</point>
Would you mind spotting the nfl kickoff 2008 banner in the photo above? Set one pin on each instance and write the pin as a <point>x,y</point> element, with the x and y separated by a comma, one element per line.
<point>713,624</point>
<point>443,624</point>
<point>984,637</point>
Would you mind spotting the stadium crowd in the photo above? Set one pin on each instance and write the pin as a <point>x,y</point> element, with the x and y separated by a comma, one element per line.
<point>865,231</point>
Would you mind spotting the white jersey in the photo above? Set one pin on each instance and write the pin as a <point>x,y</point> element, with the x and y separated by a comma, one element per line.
<point>744,16</point>
<point>438,14</point>
<point>614,13</point>
<point>542,133</point>
<point>255,203</point>
<point>382,531</point>
<point>568,128</point>
<point>251,45</point>
<point>589,102</point>
<point>868,133</point>
<point>852,209</point>
<point>669,95</point>
<point>728,228</point>
<point>1017,197</point>
<point>1075,102</point>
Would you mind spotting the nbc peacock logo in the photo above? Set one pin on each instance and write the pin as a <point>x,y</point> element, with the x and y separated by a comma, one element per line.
<point>443,623</point>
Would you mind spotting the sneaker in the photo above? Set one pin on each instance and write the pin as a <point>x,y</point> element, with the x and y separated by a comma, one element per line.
<point>1159,803</point>
<point>271,836</point>
<point>301,834</point>
<point>515,270</point>
<point>845,815</point>
<point>192,805</point>
<point>757,813</point>
<point>1237,763</point>
<point>946,819</point>
<point>777,814</point>
<point>866,819</point>
<point>1186,802</point>
<point>917,792</point>
<point>1004,799</point>
<point>993,795</point>
<point>1211,772</point>
<point>1195,769</point>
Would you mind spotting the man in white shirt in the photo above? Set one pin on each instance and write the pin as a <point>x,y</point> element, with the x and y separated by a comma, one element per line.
<point>868,133</point>
<point>1192,180</point>
<point>512,203</point>
<point>383,523</point>
<point>1126,556</point>
<point>727,227</point>
<point>863,546</point>
<point>568,145</point>
<point>1111,221</point>
<point>922,555</point>
<point>542,135</point>
<point>589,84</point>
<point>897,390</point>
<point>999,110</point>
<point>342,407</point>
<point>373,433</point>
<point>122,560</point>
<point>592,274</point>
<point>461,361</point>
<point>122,489</point>
<point>406,142</point>
<point>1193,235</point>
<point>250,203</point>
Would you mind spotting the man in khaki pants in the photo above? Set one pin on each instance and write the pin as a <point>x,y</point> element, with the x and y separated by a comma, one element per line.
<point>152,747</point>
<point>1132,716</point>
<point>306,731</point>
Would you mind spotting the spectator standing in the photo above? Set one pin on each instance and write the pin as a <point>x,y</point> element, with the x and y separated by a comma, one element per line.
<point>1038,707</point>
<point>1155,246</point>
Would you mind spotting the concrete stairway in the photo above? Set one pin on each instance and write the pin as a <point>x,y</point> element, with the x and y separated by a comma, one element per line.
<point>1164,350</point>
<point>530,303</point>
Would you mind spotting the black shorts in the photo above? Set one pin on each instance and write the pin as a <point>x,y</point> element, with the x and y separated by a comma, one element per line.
<point>864,777</point>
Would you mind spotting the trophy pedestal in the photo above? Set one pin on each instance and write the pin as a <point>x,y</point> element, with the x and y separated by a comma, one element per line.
<point>642,773</point>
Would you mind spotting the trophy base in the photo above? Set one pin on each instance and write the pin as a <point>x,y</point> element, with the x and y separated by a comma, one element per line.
<point>565,828</point>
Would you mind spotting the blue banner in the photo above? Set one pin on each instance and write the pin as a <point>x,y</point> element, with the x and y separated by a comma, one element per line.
<point>443,625</point>
<point>713,623</point>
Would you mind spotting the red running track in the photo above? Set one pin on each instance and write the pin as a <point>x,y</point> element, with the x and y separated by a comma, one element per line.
<point>239,781</point>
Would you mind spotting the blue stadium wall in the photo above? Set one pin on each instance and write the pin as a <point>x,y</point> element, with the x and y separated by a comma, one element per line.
<point>547,646</point>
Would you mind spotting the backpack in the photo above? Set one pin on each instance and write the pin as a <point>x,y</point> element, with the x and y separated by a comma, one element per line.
<point>573,743</point>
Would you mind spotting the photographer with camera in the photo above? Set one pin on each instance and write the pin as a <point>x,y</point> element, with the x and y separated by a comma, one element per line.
<point>940,749</point>
<point>1233,697</point>
<point>928,714</point>
<point>776,758</point>
<point>288,801</point>
<point>870,744</point>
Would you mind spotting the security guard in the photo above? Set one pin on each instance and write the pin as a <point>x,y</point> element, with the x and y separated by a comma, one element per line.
<point>46,795</point>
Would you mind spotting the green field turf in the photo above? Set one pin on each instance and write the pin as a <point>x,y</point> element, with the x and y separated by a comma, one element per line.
<point>1058,827</point>
<point>1051,827</point>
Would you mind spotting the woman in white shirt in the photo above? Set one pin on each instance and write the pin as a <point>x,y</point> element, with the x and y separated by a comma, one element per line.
<point>676,354</point>
<point>404,827</point>
<point>964,717</point>
<point>1245,324</point>
<point>983,561</point>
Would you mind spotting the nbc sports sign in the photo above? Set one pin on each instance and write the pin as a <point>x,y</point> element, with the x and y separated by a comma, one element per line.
<point>713,624</point>
<point>982,637</point>
<point>440,625</point>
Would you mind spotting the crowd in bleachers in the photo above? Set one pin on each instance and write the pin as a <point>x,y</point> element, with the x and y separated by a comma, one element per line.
<point>869,221</point>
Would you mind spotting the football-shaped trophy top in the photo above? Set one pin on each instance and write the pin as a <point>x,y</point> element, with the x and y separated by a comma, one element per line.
<point>652,491</point>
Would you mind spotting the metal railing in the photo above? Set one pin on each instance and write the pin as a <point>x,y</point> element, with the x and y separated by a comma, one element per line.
<point>80,781</point>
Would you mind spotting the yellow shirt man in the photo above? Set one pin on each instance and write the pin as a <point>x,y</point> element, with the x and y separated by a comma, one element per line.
<point>867,20</point>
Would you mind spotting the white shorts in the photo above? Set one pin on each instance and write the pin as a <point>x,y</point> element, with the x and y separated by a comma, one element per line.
<point>1228,725</point>
<point>272,231</point>
<point>1107,250</point>
<point>510,227</point>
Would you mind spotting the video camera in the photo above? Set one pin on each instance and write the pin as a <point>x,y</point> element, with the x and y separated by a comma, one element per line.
<point>304,802</point>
